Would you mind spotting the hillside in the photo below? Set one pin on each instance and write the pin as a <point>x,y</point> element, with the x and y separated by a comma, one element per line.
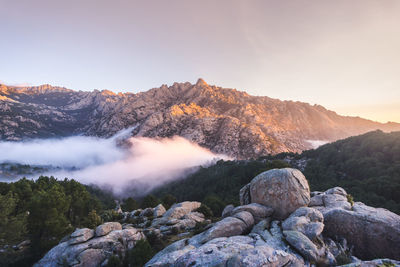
<point>366,166</point>
<point>223,120</point>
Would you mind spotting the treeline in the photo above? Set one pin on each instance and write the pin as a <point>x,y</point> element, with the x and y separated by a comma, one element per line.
<point>366,166</point>
<point>44,211</point>
<point>218,185</point>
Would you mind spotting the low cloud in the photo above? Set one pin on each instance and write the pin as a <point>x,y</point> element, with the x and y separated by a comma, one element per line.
<point>317,143</point>
<point>144,162</point>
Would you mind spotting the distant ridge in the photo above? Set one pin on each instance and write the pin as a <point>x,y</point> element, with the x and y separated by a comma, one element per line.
<point>223,120</point>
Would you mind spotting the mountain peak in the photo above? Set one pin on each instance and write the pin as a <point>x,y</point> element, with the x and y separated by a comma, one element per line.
<point>201,82</point>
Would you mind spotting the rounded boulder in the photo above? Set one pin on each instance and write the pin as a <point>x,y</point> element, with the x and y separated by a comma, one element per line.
<point>284,190</point>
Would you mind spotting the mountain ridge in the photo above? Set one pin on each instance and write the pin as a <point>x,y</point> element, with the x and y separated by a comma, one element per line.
<point>224,120</point>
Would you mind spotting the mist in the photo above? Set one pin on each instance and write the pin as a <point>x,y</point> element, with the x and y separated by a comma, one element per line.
<point>144,162</point>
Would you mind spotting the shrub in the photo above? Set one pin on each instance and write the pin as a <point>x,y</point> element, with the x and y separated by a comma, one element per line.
<point>215,204</point>
<point>139,255</point>
<point>204,209</point>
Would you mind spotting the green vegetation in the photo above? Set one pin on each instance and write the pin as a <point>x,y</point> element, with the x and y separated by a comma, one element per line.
<point>43,211</point>
<point>218,185</point>
<point>366,166</point>
<point>135,257</point>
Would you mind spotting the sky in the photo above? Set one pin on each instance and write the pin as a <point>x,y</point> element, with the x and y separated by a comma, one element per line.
<point>341,54</point>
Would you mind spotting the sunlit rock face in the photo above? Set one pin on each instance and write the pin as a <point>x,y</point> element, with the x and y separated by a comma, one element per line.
<point>224,120</point>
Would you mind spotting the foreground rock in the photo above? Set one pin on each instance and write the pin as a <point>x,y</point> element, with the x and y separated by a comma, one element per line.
<point>273,227</point>
<point>374,232</point>
<point>83,249</point>
<point>284,190</point>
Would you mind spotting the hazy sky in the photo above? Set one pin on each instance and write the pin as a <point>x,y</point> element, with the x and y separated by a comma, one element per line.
<point>342,54</point>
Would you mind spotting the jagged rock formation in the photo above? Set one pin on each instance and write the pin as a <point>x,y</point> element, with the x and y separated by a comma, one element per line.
<point>308,236</point>
<point>223,120</point>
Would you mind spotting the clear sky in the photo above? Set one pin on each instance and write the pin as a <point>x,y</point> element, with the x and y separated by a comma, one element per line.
<point>344,55</point>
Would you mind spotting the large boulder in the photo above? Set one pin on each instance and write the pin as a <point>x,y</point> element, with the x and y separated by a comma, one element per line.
<point>93,252</point>
<point>374,232</point>
<point>235,251</point>
<point>107,227</point>
<point>284,190</point>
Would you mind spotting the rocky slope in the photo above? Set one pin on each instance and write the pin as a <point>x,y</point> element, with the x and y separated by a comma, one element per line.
<point>223,120</point>
<point>324,229</point>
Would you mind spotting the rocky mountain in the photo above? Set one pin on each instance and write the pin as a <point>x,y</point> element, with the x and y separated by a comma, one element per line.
<point>223,120</point>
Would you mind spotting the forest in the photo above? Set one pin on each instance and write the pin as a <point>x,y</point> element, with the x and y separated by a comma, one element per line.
<point>366,166</point>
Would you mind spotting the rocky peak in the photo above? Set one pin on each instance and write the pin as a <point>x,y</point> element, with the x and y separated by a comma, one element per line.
<point>223,120</point>
<point>201,83</point>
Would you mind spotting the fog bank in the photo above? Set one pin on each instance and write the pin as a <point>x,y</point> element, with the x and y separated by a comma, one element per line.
<point>147,161</point>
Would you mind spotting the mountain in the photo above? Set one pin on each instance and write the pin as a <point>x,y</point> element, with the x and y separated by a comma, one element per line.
<point>223,120</point>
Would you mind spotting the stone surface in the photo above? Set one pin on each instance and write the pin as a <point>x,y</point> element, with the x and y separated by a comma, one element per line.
<point>179,210</point>
<point>231,251</point>
<point>227,227</point>
<point>107,227</point>
<point>93,252</point>
<point>244,195</point>
<point>81,235</point>
<point>258,211</point>
<point>284,190</point>
<point>227,211</point>
<point>306,220</point>
<point>374,232</point>
<point>159,210</point>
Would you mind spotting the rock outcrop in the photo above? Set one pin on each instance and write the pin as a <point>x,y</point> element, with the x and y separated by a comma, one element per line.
<point>329,232</point>
<point>251,234</point>
<point>84,249</point>
<point>374,232</point>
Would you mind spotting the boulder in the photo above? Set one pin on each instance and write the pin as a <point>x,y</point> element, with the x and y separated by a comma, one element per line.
<point>258,211</point>
<point>179,210</point>
<point>107,227</point>
<point>332,198</point>
<point>374,232</point>
<point>81,235</point>
<point>306,220</point>
<point>195,216</point>
<point>93,252</point>
<point>284,190</point>
<point>224,251</point>
<point>229,226</point>
<point>159,211</point>
<point>246,217</point>
<point>308,249</point>
<point>227,211</point>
